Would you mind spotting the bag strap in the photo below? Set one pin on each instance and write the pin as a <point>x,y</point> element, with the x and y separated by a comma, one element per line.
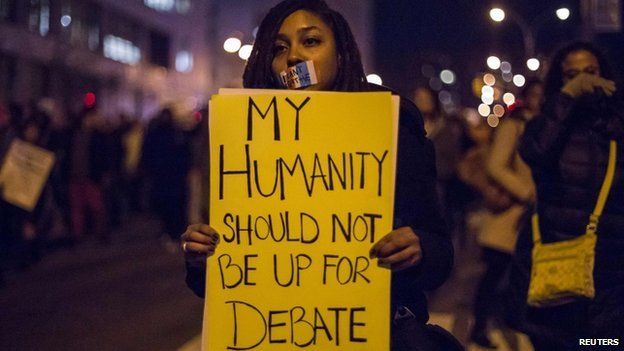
<point>602,198</point>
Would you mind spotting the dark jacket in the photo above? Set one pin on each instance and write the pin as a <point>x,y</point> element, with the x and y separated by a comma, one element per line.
<point>567,148</point>
<point>416,206</point>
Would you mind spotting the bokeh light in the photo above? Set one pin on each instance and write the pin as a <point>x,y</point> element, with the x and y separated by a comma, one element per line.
<point>492,121</point>
<point>498,110</point>
<point>487,90</point>
<point>493,62</point>
<point>374,78</point>
<point>447,77</point>
<point>487,99</point>
<point>445,97</point>
<point>484,110</point>
<point>66,20</point>
<point>519,80</point>
<point>509,98</point>
<point>435,84</point>
<point>497,14</point>
<point>533,64</point>
<point>489,79</point>
<point>232,45</point>
<point>245,51</point>
<point>563,13</point>
<point>505,67</point>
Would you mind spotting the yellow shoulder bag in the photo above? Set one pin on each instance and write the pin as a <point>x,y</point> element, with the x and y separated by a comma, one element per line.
<point>563,271</point>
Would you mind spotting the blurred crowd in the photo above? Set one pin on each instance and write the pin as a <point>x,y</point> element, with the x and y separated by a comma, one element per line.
<point>106,170</point>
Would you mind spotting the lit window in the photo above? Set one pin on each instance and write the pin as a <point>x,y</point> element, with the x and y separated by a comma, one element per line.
<point>184,61</point>
<point>160,5</point>
<point>44,18</point>
<point>93,40</point>
<point>183,6</point>
<point>121,50</point>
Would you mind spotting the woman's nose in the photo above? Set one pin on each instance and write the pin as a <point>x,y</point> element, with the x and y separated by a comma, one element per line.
<point>294,56</point>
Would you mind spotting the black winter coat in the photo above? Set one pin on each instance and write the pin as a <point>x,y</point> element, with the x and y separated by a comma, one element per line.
<point>416,205</point>
<point>567,148</point>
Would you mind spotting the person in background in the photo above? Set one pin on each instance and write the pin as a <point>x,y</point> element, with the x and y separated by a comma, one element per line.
<point>499,232</point>
<point>445,132</point>
<point>32,225</point>
<point>165,163</point>
<point>88,163</point>
<point>418,250</point>
<point>567,148</point>
<point>60,143</point>
<point>471,169</point>
<point>198,194</point>
<point>132,142</point>
<point>7,134</point>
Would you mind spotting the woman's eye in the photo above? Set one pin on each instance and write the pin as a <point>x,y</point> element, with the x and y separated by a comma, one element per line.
<point>311,41</point>
<point>278,48</point>
<point>570,74</point>
<point>591,70</point>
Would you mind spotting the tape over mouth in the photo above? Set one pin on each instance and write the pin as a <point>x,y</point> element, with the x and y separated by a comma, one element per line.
<point>299,76</point>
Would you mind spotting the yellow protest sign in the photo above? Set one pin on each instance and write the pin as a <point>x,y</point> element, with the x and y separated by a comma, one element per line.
<point>302,185</point>
<point>24,172</point>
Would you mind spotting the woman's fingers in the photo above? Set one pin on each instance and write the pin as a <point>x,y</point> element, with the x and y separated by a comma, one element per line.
<point>202,228</point>
<point>202,233</point>
<point>585,83</point>
<point>201,238</point>
<point>608,86</point>
<point>198,242</point>
<point>198,248</point>
<point>405,258</point>
<point>398,250</point>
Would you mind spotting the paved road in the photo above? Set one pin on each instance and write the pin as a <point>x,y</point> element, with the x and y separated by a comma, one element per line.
<point>126,295</point>
<point>130,295</point>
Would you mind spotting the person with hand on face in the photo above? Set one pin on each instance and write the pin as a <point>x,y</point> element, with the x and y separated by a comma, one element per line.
<point>567,149</point>
<point>418,250</point>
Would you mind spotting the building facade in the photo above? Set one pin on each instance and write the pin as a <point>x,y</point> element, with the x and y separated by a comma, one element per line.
<point>134,55</point>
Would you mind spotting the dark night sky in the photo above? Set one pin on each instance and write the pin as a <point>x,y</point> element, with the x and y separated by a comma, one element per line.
<point>458,34</point>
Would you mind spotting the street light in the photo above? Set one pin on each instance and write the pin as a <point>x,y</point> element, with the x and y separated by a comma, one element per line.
<point>563,13</point>
<point>493,62</point>
<point>232,45</point>
<point>533,64</point>
<point>497,14</point>
<point>529,30</point>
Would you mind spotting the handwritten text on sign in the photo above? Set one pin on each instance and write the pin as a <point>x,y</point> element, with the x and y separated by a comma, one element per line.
<point>302,186</point>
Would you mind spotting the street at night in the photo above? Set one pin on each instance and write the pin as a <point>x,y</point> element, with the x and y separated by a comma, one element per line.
<point>130,294</point>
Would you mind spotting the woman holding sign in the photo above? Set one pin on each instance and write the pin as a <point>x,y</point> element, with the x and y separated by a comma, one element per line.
<point>307,36</point>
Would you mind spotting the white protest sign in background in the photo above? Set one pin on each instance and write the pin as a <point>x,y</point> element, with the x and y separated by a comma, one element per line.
<point>24,172</point>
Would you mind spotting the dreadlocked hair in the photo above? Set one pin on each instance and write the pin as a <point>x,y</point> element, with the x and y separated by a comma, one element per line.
<point>258,72</point>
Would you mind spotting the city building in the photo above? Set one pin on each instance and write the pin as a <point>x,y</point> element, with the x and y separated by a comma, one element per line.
<point>135,55</point>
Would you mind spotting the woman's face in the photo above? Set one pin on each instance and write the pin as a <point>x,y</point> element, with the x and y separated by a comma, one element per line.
<point>304,36</point>
<point>581,61</point>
